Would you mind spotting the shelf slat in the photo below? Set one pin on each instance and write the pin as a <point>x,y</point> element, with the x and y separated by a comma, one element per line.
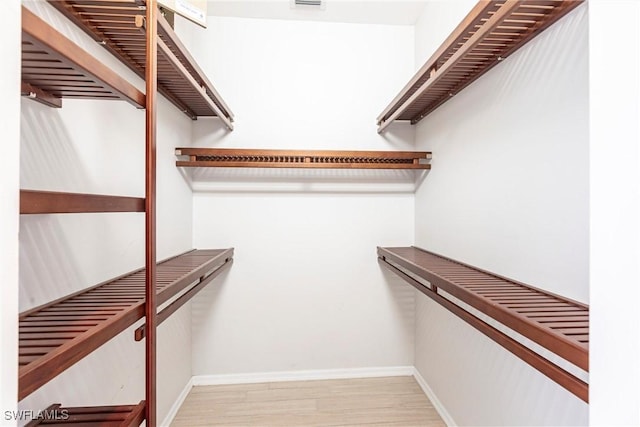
<point>51,202</point>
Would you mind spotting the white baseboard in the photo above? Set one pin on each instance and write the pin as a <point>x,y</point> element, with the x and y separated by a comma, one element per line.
<point>177,404</point>
<point>442,411</point>
<point>323,374</point>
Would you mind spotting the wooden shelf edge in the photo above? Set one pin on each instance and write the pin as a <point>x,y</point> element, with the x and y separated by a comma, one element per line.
<point>275,165</point>
<point>52,202</point>
<point>196,72</point>
<point>188,78</point>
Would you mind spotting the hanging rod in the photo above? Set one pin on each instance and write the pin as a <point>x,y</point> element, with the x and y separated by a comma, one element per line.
<point>250,158</point>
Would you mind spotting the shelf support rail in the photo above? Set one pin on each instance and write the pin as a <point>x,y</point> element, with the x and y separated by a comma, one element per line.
<point>151,81</point>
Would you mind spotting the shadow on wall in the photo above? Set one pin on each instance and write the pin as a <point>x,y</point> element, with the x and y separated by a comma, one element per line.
<point>61,254</point>
<point>203,305</point>
<point>48,159</point>
<point>404,298</point>
<point>210,130</point>
<point>47,271</point>
<point>521,73</point>
<point>47,162</point>
<point>304,180</point>
<point>398,133</point>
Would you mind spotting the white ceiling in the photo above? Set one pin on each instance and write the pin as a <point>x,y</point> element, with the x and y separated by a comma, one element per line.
<point>400,12</point>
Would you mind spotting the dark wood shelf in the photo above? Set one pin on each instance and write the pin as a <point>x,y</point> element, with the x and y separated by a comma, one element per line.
<point>53,67</point>
<point>556,323</point>
<point>118,26</point>
<point>104,416</point>
<point>56,335</point>
<point>52,202</point>
<point>491,32</point>
<point>249,158</point>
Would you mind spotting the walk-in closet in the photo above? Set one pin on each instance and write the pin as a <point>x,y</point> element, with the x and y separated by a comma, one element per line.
<point>327,212</point>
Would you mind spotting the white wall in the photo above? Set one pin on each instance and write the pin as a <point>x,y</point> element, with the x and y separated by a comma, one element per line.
<point>9,185</point>
<point>509,193</point>
<point>305,292</point>
<point>98,147</point>
<point>615,210</point>
<point>435,23</point>
<point>304,85</point>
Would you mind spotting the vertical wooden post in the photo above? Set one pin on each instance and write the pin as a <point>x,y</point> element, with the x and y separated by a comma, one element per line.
<point>151,78</point>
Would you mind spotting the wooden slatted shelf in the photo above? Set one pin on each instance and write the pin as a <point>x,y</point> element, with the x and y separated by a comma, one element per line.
<point>117,25</point>
<point>54,336</point>
<point>49,202</point>
<point>53,67</point>
<point>248,158</point>
<point>556,323</point>
<point>104,416</point>
<point>491,32</point>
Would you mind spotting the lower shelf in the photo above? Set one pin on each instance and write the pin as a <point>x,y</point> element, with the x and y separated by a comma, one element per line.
<point>558,324</point>
<point>56,335</point>
<point>104,416</point>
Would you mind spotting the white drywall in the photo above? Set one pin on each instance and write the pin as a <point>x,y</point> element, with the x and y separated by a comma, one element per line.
<point>98,147</point>
<point>9,197</point>
<point>508,192</point>
<point>303,85</point>
<point>615,212</point>
<point>305,292</point>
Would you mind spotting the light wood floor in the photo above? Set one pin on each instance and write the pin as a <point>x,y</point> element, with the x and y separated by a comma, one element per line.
<point>392,401</point>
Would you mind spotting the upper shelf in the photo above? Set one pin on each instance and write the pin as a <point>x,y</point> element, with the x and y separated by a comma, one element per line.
<point>53,67</point>
<point>250,158</point>
<point>117,26</point>
<point>492,31</point>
